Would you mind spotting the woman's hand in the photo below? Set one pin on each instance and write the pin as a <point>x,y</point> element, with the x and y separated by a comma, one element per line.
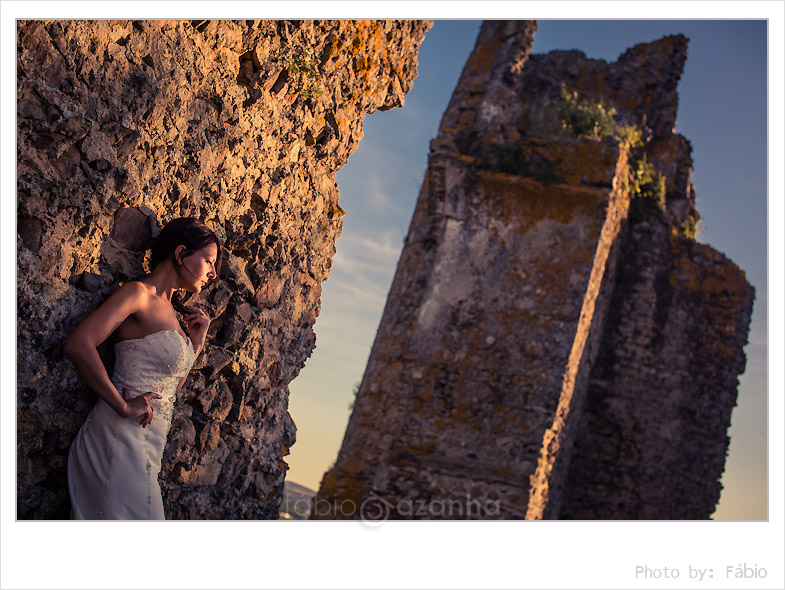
<point>139,406</point>
<point>197,322</point>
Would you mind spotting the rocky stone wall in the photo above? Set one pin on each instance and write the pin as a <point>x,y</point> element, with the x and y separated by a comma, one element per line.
<point>653,437</point>
<point>124,125</point>
<point>474,393</point>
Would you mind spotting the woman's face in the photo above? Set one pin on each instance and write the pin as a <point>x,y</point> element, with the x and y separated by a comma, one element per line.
<point>198,268</point>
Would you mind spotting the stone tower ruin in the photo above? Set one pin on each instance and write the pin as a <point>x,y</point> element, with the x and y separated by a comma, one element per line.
<point>555,343</point>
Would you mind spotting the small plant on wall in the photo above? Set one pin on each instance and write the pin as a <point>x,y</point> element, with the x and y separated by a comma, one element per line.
<point>303,73</point>
<point>644,180</point>
<point>590,120</point>
<point>570,118</point>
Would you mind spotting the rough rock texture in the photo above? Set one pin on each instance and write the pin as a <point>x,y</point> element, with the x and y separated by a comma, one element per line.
<point>125,125</point>
<point>506,291</point>
<point>653,436</point>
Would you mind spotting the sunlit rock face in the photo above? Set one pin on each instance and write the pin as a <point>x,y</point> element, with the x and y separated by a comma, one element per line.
<point>124,125</point>
<point>548,301</point>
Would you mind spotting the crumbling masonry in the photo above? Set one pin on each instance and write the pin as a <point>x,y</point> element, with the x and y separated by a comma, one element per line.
<point>555,343</point>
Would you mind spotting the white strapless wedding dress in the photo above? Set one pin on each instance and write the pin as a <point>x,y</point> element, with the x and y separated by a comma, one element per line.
<point>113,463</point>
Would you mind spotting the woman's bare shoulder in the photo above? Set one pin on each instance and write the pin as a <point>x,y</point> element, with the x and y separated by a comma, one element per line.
<point>131,295</point>
<point>131,298</point>
<point>133,290</point>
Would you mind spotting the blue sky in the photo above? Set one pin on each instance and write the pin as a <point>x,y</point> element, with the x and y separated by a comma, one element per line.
<point>722,111</point>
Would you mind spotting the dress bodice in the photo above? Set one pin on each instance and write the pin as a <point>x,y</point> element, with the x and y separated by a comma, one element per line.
<point>156,363</point>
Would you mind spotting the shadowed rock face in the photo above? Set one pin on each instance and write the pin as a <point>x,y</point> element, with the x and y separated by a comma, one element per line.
<point>125,125</point>
<point>531,267</point>
<point>652,438</point>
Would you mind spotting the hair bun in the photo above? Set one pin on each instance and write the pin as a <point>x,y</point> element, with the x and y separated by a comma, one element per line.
<point>182,231</point>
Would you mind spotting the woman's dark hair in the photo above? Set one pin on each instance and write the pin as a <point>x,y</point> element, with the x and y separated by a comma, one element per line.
<point>184,231</point>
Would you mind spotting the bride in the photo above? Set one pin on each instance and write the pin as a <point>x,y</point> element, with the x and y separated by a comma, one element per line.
<point>114,461</point>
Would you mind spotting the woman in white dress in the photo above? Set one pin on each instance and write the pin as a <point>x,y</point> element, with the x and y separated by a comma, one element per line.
<point>114,461</point>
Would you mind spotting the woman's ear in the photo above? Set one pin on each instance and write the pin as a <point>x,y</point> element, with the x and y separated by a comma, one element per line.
<point>178,254</point>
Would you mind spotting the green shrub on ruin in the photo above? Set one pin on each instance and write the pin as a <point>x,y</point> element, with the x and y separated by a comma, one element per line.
<point>593,120</point>
<point>643,181</point>
<point>646,182</point>
<point>630,137</point>
<point>569,118</point>
<point>690,227</point>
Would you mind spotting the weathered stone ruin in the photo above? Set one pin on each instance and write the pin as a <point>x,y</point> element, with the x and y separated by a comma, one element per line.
<point>555,343</point>
<point>124,125</point>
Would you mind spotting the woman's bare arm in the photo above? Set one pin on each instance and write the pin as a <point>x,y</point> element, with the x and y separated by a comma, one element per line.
<point>81,346</point>
<point>179,385</point>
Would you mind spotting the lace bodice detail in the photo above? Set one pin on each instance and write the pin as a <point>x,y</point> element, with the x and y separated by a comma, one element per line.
<point>156,363</point>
